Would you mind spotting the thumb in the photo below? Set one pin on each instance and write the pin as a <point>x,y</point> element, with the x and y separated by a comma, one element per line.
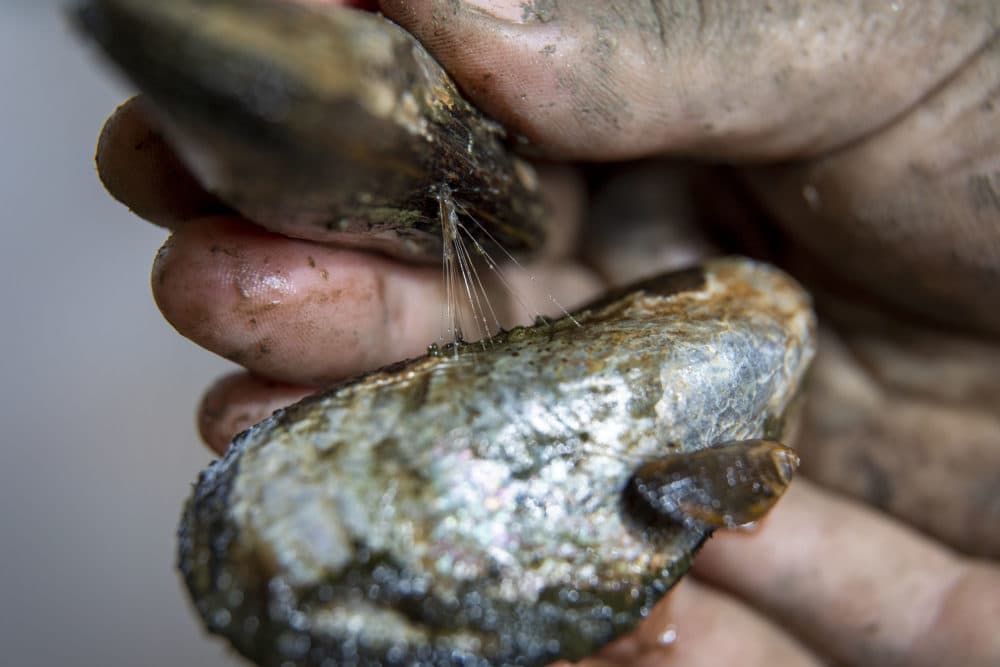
<point>601,80</point>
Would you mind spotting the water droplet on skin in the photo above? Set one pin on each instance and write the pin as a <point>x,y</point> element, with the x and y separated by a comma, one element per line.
<point>668,636</point>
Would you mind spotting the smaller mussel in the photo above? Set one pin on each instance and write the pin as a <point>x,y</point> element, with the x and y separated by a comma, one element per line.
<point>507,504</point>
<point>318,121</point>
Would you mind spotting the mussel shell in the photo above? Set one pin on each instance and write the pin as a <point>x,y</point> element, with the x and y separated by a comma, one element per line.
<point>466,508</point>
<point>319,122</point>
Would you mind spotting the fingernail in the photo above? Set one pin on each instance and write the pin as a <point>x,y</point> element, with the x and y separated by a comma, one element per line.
<point>516,11</point>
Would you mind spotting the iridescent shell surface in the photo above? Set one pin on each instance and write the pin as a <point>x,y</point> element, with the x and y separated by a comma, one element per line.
<point>468,507</point>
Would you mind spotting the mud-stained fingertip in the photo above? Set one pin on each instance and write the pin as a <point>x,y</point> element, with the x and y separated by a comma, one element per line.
<point>237,401</point>
<point>290,310</point>
<point>139,168</point>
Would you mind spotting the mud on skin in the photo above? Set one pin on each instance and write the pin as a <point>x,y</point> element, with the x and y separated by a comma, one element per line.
<point>467,507</point>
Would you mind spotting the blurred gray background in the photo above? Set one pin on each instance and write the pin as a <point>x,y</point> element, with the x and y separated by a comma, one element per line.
<point>97,392</point>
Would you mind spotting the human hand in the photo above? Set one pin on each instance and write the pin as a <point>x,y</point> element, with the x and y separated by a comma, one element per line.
<point>884,116</point>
